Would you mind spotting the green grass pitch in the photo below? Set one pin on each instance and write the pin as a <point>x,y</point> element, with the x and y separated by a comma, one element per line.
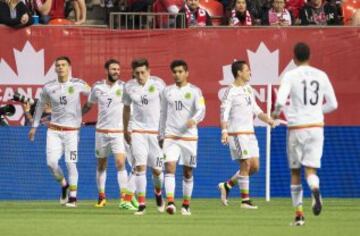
<point>38,218</point>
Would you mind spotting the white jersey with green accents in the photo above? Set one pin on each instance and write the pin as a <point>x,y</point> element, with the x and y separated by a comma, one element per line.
<point>64,99</point>
<point>179,105</point>
<point>110,104</point>
<point>145,103</point>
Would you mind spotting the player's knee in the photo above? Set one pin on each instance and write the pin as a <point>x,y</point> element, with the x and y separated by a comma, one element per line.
<point>53,165</point>
<point>188,174</point>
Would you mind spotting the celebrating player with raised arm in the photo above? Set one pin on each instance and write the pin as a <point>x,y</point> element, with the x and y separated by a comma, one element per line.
<point>238,107</point>
<point>109,139</point>
<point>63,95</point>
<point>143,95</point>
<point>183,107</point>
<point>308,88</point>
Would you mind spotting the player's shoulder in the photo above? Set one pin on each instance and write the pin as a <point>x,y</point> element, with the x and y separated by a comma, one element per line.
<point>321,73</point>
<point>98,83</point>
<point>195,88</point>
<point>78,81</point>
<point>50,83</point>
<point>120,83</point>
<point>130,83</point>
<point>157,80</point>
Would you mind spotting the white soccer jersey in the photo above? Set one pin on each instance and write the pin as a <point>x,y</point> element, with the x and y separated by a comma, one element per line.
<point>110,104</point>
<point>238,107</point>
<point>307,87</point>
<point>145,103</point>
<point>64,99</point>
<point>180,104</point>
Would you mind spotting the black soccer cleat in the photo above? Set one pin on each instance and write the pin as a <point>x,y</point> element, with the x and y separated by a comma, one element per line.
<point>316,202</point>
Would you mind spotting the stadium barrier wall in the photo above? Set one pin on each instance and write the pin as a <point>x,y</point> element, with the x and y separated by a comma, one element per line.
<point>24,174</point>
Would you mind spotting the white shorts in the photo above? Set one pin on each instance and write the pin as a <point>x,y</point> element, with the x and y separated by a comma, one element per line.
<point>179,150</point>
<point>146,150</point>
<point>108,143</point>
<point>305,147</point>
<point>243,146</point>
<point>60,143</point>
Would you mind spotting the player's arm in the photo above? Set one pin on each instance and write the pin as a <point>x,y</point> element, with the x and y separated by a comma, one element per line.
<point>163,116</point>
<point>91,100</point>
<point>40,105</point>
<point>84,87</point>
<point>225,108</point>
<point>331,103</point>
<point>260,114</point>
<point>200,110</point>
<point>282,96</point>
<point>126,115</point>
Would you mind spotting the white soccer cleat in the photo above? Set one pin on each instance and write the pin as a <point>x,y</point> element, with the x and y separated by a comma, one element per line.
<point>140,211</point>
<point>185,211</point>
<point>299,221</point>
<point>71,204</point>
<point>64,196</point>
<point>223,194</point>
<point>247,204</point>
<point>161,208</point>
<point>171,209</point>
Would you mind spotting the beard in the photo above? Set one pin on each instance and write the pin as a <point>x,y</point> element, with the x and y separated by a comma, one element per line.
<point>111,78</point>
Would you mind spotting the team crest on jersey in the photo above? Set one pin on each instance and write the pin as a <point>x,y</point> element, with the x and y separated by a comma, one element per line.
<point>245,152</point>
<point>71,90</point>
<point>152,89</point>
<point>118,92</point>
<point>188,95</point>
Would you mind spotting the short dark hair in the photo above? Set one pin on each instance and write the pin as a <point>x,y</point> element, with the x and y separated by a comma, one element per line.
<point>237,66</point>
<point>302,52</point>
<point>63,58</point>
<point>109,62</point>
<point>139,62</point>
<point>176,63</point>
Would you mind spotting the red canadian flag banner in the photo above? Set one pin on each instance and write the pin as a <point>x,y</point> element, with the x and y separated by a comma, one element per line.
<point>27,60</point>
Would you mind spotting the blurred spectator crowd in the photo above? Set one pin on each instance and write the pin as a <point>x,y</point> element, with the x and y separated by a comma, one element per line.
<point>21,13</point>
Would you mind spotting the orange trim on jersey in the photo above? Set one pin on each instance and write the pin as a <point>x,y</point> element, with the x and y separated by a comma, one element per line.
<point>317,125</point>
<point>181,138</point>
<point>61,128</point>
<point>241,133</point>
<point>109,131</point>
<point>144,131</point>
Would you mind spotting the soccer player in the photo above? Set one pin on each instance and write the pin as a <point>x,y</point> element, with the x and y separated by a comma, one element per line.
<point>143,96</point>
<point>238,107</point>
<point>63,95</point>
<point>183,107</point>
<point>308,88</point>
<point>109,138</point>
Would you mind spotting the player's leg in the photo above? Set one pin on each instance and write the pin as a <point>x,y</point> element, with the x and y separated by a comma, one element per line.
<point>188,185</point>
<point>140,148</point>
<point>313,149</point>
<point>244,184</point>
<point>156,159</point>
<point>171,153</point>
<point>226,186</point>
<point>101,153</point>
<point>295,152</point>
<point>118,150</point>
<point>54,151</point>
<point>70,141</point>
<point>101,174</point>
<point>188,158</point>
<point>129,201</point>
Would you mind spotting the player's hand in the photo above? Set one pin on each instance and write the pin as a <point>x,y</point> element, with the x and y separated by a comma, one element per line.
<point>161,143</point>
<point>26,106</point>
<point>225,138</point>
<point>190,124</point>
<point>271,122</point>
<point>127,136</point>
<point>274,116</point>
<point>32,134</point>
